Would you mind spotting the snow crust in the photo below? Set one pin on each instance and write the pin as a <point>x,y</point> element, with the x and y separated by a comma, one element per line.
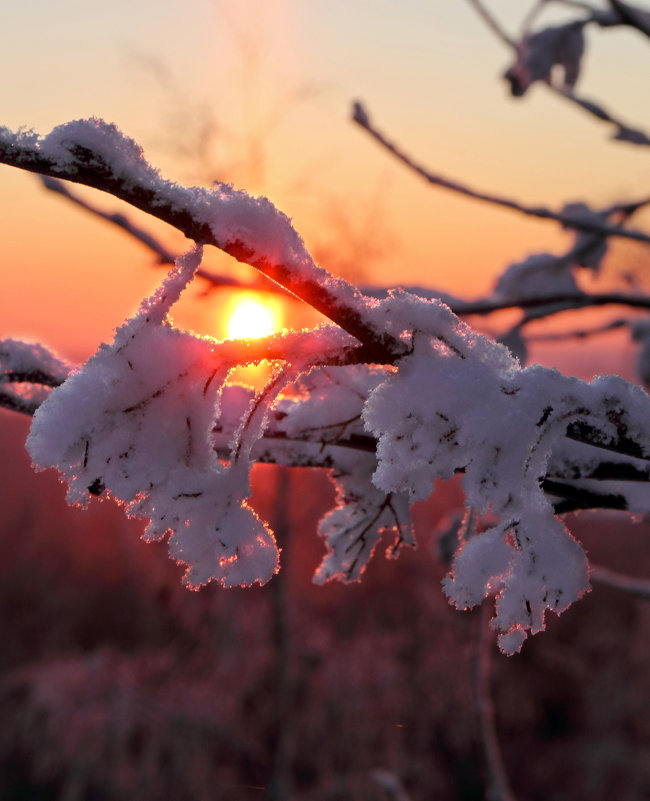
<point>135,422</point>
<point>461,403</point>
<point>151,421</point>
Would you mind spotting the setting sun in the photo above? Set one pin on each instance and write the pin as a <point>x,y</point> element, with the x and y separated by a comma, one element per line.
<point>251,317</point>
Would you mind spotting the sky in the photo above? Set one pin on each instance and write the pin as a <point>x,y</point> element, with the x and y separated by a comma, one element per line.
<point>259,92</point>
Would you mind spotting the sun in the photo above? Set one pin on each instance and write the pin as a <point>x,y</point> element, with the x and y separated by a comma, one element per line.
<point>251,316</point>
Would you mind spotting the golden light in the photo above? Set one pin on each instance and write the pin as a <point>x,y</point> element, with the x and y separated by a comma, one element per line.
<point>253,317</point>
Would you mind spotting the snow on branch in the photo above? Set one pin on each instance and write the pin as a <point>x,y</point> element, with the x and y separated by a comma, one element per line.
<point>396,394</point>
<point>251,229</point>
<point>541,55</point>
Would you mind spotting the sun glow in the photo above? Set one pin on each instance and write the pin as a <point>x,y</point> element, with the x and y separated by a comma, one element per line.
<point>252,317</point>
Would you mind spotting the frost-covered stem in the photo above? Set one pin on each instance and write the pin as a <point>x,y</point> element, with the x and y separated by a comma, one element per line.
<point>498,788</point>
<point>334,298</point>
<point>619,581</point>
<point>279,788</point>
<point>360,116</point>
<point>163,255</point>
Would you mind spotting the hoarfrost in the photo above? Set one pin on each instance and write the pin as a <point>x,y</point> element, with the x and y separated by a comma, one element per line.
<point>459,402</point>
<point>135,422</point>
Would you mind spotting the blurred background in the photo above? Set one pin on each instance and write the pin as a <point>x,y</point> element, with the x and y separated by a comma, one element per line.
<point>117,682</point>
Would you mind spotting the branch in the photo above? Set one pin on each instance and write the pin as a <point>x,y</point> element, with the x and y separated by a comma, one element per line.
<point>251,230</point>
<point>626,15</point>
<point>619,581</point>
<point>163,255</point>
<point>632,16</point>
<point>556,303</point>
<point>589,226</point>
<point>498,788</point>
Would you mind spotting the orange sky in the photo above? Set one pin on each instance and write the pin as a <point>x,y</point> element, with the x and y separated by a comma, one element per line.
<point>274,80</point>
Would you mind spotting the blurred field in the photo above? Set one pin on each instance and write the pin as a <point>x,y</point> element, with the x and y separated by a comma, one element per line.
<point>116,683</point>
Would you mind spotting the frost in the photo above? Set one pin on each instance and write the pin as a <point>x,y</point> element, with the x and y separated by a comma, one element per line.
<point>538,276</point>
<point>459,402</point>
<point>329,402</point>
<point>135,423</point>
<point>20,360</point>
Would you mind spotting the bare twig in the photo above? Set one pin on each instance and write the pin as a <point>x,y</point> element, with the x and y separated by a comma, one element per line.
<point>632,16</point>
<point>492,23</point>
<point>555,303</point>
<point>498,788</point>
<point>620,581</point>
<point>580,333</point>
<point>589,226</point>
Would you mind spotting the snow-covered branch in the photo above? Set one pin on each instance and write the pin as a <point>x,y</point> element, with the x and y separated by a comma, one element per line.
<point>251,229</point>
<point>395,394</point>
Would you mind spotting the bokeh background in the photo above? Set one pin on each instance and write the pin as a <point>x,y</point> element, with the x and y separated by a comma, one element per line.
<point>117,683</point>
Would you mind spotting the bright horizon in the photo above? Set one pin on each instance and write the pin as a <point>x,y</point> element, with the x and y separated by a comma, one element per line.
<point>276,80</point>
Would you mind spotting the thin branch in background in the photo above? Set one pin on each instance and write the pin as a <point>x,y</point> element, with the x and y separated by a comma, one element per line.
<point>620,581</point>
<point>628,15</point>
<point>529,19</point>
<point>361,117</point>
<point>498,784</point>
<point>163,255</point>
<point>335,298</point>
<point>632,16</point>
<point>580,333</point>
<point>491,21</point>
<point>555,303</point>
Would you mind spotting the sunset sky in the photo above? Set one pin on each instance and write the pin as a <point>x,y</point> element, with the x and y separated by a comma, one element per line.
<point>266,86</point>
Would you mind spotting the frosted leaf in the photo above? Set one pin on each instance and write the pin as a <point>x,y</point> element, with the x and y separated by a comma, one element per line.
<point>459,402</point>
<point>353,529</point>
<point>589,249</point>
<point>136,421</point>
<point>540,53</point>
<point>326,408</point>
<point>538,276</point>
<point>479,568</point>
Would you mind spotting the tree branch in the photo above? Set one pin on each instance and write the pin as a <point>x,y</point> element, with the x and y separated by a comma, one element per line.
<point>589,226</point>
<point>623,15</point>
<point>620,581</point>
<point>195,212</point>
<point>163,255</point>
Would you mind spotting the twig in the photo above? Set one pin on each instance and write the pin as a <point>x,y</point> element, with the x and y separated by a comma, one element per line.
<point>493,24</point>
<point>498,788</point>
<point>624,132</point>
<point>582,333</point>
<point>620,581</point>
<point>632,16</point>
<point>360,116</point>
<point>335,298</point>
<point>164,256</point>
